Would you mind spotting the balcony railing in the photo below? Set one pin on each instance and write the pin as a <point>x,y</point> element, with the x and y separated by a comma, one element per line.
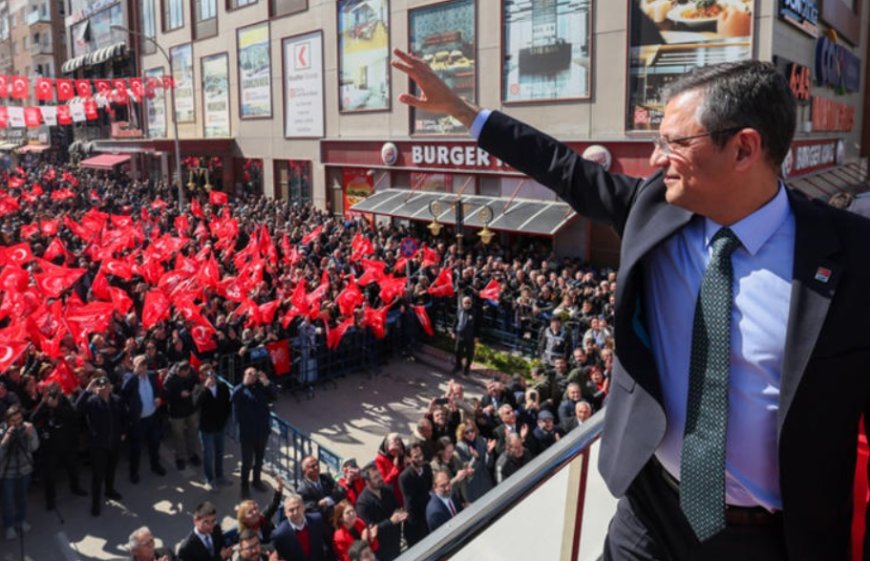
<point>496,525</point>
<point>40,49</point>
<point>38,16</point>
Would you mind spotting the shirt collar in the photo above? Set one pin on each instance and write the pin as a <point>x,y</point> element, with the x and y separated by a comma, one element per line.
<point>295,527</point>
<point>755,230</point>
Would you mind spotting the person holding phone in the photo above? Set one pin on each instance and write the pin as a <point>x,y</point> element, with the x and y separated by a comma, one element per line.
<point>251,401</point>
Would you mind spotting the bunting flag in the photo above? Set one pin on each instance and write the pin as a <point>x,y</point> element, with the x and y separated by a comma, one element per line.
<point>423,318</point>
<point>43,90</point>
<point>4,85</point>
<point>442,286</point>
<point>491,291</point>
<point>65,89</point>
<point>20,87</point>
<point>83,88</point>
<point>279,352</point>
<point>32,117</point>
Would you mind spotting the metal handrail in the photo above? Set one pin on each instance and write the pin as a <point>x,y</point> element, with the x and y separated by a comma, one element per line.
<point>461,530</point>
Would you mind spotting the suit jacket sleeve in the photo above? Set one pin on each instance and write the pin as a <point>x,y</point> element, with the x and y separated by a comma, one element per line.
<point>584,185</point>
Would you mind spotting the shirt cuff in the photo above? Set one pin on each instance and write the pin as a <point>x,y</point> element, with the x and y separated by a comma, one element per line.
<point>479,121</point>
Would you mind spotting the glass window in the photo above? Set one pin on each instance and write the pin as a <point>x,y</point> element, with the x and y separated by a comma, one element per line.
<point>278,8</point>
<point>206,9</point>
<point>173,14</point>
<point>234,4</point>
<point>149,26</point>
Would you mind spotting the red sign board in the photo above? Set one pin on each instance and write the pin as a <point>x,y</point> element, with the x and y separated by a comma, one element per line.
<point>832,116</point>
<point>808,156</point>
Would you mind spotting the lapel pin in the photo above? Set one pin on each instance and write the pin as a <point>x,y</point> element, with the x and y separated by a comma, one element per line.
<point>823,274</point>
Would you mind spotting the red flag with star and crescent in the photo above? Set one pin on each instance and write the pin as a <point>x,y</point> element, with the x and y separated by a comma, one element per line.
<point>279,351</point>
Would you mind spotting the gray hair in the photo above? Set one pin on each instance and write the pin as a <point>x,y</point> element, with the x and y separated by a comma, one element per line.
<point>133,540</point>
<point>293,496</point>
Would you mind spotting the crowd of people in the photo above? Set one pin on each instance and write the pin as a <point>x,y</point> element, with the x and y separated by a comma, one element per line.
<point>117,308</point>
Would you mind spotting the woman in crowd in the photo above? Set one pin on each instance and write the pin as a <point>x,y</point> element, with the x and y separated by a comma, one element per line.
<point>249,516</point>
<point>478,455</point>
<point>349,527</point>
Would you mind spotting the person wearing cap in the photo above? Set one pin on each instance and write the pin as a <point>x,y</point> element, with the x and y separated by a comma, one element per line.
<point>544,435</point>
<point>141,393</point>
<point>351,480</point>
<point>179,388</point>
<point>212,401</point>
<point>104,417</point>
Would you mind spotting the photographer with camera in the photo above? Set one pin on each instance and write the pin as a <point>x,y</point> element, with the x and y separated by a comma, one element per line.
<point>250,401</point>
<point>57,424</point>
<point>17,445</point>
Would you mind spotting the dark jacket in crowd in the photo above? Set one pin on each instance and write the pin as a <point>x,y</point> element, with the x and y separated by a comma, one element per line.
<point>130,394</point>
<point>178,406</point>
<point>251,407</point>
<point>214,410</point>
<point>58,426</point>
<point>377,510</point>
<point>104,419</point>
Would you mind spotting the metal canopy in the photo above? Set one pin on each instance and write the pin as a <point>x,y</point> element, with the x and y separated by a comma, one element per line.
<point>852,178</point>
<point>517,215</point>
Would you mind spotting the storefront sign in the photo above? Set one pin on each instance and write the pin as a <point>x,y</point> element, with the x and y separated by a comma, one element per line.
<point>808,156</point>
<point>357,185</point>
<point>255,76</point>
<point>799,80</point>
<point>303,86</point>
<point>803,14</point>
<point>216,95</point>
<point>389,153</point>
<point>122,129</point>
<point>837,67</point>
<point>832,116</point>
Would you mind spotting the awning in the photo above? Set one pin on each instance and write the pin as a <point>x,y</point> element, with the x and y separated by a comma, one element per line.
<point>105,161</point>
<point>6,146</point>
<point>517,215</point>
<point>106,53</point>
<point>73,64</point>
<point>33,149</point>
<point>851,178</point>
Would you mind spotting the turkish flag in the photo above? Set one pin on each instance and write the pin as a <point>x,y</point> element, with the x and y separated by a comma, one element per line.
<point>54,249</point>
<point>155,309</point>
<point>20,87</point>
<point>43,89</point>
<point>19,254</point>
<point>168,82</point>
<point>299,299</point>
<point>103,87</point>
<point>65,89</point>
<point>9,353</point>
<point>391,288</point>
<point>10,204</point>
<point>333,336</point>
<point>64,115</point>
<point>118,268</point>
<point>4,117</point>
<point>120,300</point>
<point>218,198</point>
<point>279,351</point>
<point>376,320</point>
<point>4,85</point>
<point>373,271</point>
<point>26,230</point>
<point>119,95</point>
<point>100,286</point>
<point>423,318</point>
<point>181,224</point>
<point>55,282</point>
<point>137,88</point>
<point>232,289</point>
<point>196,209</point>
<point>313,235</point>
<point>349,298</point>
<point>83,88</point>
<point>443,284</point>
<point>91,113</point>
<point>14,279</point>
<point>491,291</point>
<point>65,378</point>
<point>361,246</point>
<point>203,336</point>
<point>32,117</point>
<point>430,257</point>
<point>49,227</point>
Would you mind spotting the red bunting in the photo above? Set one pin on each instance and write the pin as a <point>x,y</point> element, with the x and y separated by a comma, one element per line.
<point>65,89</point>
<point>83,88</point>
<point>279,352</point>
<point>168,82</point>
<point>423,318</point>
<point>103,87</point>
<point>4,117</point>
<point>4,85</point>
<point>120,87</point>
<point>43,90</point>
<point>64,115</point>
<point>20,87</point>
<point>137,88</point>
<point>91,113</point>
<point>32,117</point>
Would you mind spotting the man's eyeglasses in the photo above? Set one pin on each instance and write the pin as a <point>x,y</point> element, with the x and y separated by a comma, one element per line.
<point>664,143</point>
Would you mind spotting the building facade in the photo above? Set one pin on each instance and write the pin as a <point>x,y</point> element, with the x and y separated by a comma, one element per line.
<point>297,99</point>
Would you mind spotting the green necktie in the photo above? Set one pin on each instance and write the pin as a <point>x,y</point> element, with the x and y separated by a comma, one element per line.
<point>702,464</point>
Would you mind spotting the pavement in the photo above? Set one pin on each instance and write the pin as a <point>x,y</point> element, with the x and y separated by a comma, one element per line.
<point>350,419</point>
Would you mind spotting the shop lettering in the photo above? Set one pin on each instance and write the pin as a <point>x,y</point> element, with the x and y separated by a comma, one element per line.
<point>799,80</point>
<point>463,156</point>
<point>836,66</point>
<point>814,155</point>
<point>803,9</point>
<point>832,116</point>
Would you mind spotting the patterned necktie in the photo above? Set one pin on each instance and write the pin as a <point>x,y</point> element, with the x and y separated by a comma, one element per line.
<point>209,545</point>
<point>702,464</point>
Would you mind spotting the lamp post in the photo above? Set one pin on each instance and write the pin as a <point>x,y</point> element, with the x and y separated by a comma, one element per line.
<point>172,101</point>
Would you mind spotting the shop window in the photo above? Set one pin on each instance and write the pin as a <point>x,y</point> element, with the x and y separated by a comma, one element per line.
<point>173,14</point>
<point>205,18</point>
<point>249,176</point>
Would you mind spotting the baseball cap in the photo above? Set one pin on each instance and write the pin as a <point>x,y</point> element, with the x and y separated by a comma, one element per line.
<point>350,462</point>
<point>544,415</point>
<point>102,381</point>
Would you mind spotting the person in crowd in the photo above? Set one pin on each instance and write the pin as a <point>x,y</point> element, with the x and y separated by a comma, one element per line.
<point>596,388</point>
<point>465,330</point>
<point>249,516</point>
<point>179,388</point>
<point>444,422</point>
<point>554,341</point>
<point>18,442</point>
<point>390,461</point>
<point>512,459</point>
<point>443,503</point>
<point>477,455</point>
<point>142,547</point>
<point>250,401</point>
<point>424,436</point>
<point>378,506</point>
<point>582,412</point>
<point>319,491</point>
<point>251,548</point>
<point>302,536</point>
<point>416,483</point>
<point>509,425</point>
<point>496,395</point>
<point>103,413</point>
<point>445,460</point>
<point>351,480</point>
<point>141,392</point>
<point>350,527</point>
<point>566,408</point>
<point>212,401</point>
<point>206,541</point>
<point>361,550</point>
<point>7,398</point>
<point>57,424</point>
<point>544,435</point>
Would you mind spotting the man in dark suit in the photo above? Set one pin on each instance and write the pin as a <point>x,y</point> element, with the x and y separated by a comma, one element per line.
<point>377,504</point>
<point>140,392</point>
<point>771,290</point>
<point>212,400</point>
<point>443,503</point>
<point>319,492</point>
<point>250,401</point>
<point>206,541</point>
<point>466,331</point>
<point>415,483</point>
<point>104,417</point>
<point>302,536</point>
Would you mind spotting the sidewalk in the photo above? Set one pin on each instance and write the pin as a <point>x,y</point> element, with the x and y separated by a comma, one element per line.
<point>350,420</point>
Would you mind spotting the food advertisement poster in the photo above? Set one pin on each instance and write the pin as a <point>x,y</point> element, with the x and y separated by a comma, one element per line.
<point>303,86</point>
<point>356,186</point>
<point>669,38</point>
<point>182,68</point>
<point>444,36</point>
<point>364,55</point>
<point>546,50</point>
<point>155,106</point>
<point>255,74</point>
<point>216,95</point>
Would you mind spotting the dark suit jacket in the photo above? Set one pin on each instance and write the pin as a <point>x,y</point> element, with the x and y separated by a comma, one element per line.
<point>827,335</point>
<point>288,548</point>
<point>191,548</point>
<point>374,510</point>
<point>437,512</point>
<point>130,394</point>
<point>311,496</point>
<point>415,489</point>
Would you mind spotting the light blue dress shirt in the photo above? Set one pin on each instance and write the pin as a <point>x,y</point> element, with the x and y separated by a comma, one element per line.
<point>146,394</point>
<point>762,292</point>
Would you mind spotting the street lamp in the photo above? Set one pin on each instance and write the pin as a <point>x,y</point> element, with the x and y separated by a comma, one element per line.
<point>172,101</point>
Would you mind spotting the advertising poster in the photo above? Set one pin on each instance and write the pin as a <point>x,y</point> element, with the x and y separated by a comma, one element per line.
<point>546,50</point>
<point>363,55</point>
<point>303,87</point>
<point>356,185</point>
<point>444,36</point>
<point>216,95</point>
<point>182,68</point>
<point>255,74</point>
<point>155,107</point>
<point>669,39</point>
